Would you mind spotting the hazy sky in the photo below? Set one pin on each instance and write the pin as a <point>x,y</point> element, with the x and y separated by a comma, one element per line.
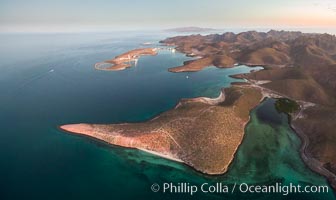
<point>72,15</point>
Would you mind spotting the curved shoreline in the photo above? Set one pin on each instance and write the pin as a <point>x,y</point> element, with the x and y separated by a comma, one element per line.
<point>315,166</point>
<point>212,101</point>
<point>309,161</point>
<point>312,163</point>
<point>171,146</point>
<point>140,149</point>
<point>207,58</point>
<point>124,60</point>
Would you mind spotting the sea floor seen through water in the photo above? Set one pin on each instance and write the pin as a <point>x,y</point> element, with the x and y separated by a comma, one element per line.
<point>47,80</point>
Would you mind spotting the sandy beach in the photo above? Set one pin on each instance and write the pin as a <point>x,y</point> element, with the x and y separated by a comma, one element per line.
<point>125,60</point>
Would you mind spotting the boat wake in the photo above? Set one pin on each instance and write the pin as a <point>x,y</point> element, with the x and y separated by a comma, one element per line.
<point>36,78</point>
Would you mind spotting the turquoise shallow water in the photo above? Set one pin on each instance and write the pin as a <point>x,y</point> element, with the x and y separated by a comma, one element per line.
<point>47,80</point>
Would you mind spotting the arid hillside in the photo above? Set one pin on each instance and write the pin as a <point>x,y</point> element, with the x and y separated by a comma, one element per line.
<point>297,65</point>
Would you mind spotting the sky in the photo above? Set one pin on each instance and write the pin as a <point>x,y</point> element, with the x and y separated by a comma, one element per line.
<point>90,15</point>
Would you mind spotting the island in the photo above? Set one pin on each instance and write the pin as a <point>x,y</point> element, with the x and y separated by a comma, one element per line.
<point>300,67</point>
<point>125,60</point>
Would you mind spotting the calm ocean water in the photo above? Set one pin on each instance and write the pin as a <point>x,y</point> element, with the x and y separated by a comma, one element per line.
<point>48,79</point>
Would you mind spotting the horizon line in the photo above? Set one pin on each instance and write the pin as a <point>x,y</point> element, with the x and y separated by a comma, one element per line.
<point>304,29</point>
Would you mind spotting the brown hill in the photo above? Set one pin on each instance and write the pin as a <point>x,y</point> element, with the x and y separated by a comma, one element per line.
<point>318,124</point>
<point>308,73</point>
<point>193,65</point>
<point>265,56</point>
<point>326,77</point>
<point>199,64</point>
<point>284,35</point>
<point>250,36</point>
<point>310,55</point>
<point>201,132</point>
<point>300,89</point>
<point>278,74</point>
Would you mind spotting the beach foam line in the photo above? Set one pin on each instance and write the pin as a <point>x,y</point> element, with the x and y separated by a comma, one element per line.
<point>166,156</point>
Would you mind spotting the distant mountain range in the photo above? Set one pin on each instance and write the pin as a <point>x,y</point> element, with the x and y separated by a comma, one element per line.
<point>190,29</point>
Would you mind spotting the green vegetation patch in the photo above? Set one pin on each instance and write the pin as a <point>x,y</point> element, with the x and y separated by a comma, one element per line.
<point>286,105</point>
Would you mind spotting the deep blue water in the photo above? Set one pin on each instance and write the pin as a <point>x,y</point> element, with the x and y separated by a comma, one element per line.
<point>47,80</point>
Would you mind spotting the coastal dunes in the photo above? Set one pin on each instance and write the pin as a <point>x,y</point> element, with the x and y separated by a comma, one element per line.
<point>125,60</point>
<point>203,133</point>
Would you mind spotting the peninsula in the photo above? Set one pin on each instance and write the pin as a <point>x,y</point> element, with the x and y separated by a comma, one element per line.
<point>125,60</point>
<point>201,132</point>
<point>298,66</point>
